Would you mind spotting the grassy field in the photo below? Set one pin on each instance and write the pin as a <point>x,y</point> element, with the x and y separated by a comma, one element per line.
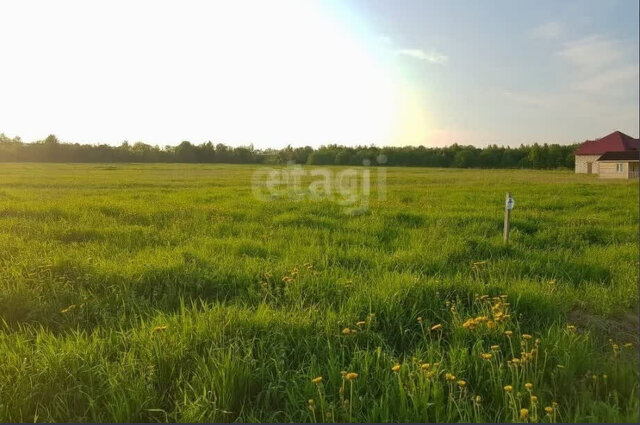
<point>169,293</point>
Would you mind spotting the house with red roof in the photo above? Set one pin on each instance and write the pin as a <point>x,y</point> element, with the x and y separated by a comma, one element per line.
<point>612,156</point>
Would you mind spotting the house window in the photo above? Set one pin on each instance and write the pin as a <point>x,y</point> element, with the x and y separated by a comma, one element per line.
<point>619,168</point>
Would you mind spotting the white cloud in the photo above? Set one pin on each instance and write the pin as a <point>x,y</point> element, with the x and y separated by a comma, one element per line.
<point>592,53</point>
<point>596,89</point>
<point>547,31</point>
<point>601,65</point>
<point>433,56</point>
<point>614,81</point>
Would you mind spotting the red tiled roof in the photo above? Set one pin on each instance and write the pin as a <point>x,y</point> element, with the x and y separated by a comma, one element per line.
<point>614,142</point>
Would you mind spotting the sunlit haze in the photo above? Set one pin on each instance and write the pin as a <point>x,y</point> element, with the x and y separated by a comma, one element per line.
<point>300,72</point>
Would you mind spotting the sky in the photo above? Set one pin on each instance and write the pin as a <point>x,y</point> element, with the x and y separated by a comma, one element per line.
<point>298,72</point>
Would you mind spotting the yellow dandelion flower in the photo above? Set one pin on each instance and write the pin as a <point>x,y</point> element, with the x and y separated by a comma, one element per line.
<point>469,324</point>
<point>528,385</point>
<point>534,399</point>
<point>526,336</point>
<point>560,366</point>
<point>549,410</point>
<point>395,367</point>
<point>628,345</point>
<point>425,366</point>
<point>436,327</point>
<point>160,328</point>
<point>508,388</point>
<point>515,360</point>
<point>317,379</point>
<point>450,377</point>
<point>461,383</point>
<point>419,319</point>
<point>495,347</point>
<point>571,327</point>
<point>615,347</point>
<point>524,414</point>
<point>346,331</point>
<point>554,404</point>
<point>361,323</point>
<point>343,373</point>
<point>486,356</point>
<point>491,324</point>
<point>604,376</point>
<point>351,376</point>
<point>508,333</point>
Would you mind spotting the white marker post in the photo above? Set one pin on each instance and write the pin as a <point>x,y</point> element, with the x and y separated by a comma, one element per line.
<point>508,206</point>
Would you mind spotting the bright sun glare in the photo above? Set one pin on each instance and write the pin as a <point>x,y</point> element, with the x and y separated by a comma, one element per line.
<point>268,73</point>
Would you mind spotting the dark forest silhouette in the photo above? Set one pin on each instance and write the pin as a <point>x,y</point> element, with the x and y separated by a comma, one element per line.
<point>538,156</point>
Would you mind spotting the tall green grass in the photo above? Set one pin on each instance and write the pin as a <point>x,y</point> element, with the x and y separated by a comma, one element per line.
<point>168,293</point>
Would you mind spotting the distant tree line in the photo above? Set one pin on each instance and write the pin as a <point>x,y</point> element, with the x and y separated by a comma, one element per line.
<point>540,156</point>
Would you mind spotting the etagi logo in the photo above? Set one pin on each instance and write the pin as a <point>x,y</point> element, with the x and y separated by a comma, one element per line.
<point>349,187</point>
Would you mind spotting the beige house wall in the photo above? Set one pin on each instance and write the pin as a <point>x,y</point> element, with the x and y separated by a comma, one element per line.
<point>583,160</point>
<point>609,170</point>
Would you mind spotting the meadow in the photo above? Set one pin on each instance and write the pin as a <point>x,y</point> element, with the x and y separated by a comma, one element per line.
<point>168,292</point>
